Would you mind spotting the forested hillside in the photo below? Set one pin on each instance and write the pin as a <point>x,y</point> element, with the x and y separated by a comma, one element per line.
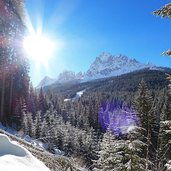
<point>77,126</point>
<point>127,83</point>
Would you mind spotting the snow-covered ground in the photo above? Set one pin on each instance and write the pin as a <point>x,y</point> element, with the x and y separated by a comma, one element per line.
<point>26,138</point>
<point>77,96</point>
<point>66,100</point>
<point>15,157</point>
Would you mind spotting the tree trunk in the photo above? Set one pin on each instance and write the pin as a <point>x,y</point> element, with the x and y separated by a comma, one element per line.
<point>11,93</point>
<point>2,96</point>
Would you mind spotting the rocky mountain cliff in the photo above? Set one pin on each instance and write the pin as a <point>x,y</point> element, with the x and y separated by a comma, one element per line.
<point>105,65</point>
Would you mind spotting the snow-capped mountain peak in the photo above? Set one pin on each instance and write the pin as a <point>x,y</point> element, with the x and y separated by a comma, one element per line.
<point>66,76</point>
<point>104,57</point>
<point>46,81</point>
<point>105,65</point>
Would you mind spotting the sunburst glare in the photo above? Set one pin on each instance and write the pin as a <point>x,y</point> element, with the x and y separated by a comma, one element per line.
<point>39,47</point>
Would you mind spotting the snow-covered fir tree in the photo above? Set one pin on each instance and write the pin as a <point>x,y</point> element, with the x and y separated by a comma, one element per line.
<point>111,154</point>
<point>37,125</point>
<point>134,148</point>
<point>164,146</point>
<point>28,126</point>
<point>144,106</point>
<point>164,159</point>
<point>165,119</point>
<point>123,154</point>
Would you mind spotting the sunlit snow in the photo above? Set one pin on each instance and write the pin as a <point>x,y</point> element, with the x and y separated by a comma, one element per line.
<point>77,96</point>
<point>15,157</point>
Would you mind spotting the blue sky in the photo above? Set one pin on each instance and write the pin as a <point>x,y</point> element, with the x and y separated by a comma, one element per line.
<point>87,28</point>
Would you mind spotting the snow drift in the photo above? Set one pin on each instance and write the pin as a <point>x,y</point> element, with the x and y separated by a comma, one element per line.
<point>15,157</point>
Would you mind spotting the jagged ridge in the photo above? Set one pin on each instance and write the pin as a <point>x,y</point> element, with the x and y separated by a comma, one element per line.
<point>105,65</point>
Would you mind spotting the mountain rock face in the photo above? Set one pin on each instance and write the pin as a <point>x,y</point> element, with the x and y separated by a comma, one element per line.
<point>66,76</point>
<point>46,81</point>
<point>105,65</point>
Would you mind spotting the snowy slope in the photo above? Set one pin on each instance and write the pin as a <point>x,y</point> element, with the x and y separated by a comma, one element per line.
<point>77,96</point>
<point>15,157</point>
<point>54,162</point>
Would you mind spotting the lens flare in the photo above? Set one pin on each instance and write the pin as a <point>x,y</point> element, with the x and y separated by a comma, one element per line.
<point>38,47</point>
<point>119,118</point>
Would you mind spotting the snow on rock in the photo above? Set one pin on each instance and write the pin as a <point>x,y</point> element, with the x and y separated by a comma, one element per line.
<point>15,157</point>
<point>66,76</point>
<point>46,81</point>
<point>107,65</point>
<point>104,66</point>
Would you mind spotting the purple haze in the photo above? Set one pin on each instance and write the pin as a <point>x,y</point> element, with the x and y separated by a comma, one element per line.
<point>117,117</point>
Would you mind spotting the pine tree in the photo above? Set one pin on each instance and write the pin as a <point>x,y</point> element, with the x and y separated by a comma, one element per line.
<point>13,65</point>
<point>164,12</point>
<point>27,123</point>
<point>134,147</point>
<point>32,100</point>
<point>164,159</point>
<point>89,146</point>
<point>19,110</point>
<point>30,124</point>
<point>165,123</point>
<point>67,139</point>
<point>42,104</point>
<point>164,146</point>
<point>37,125</point>
<point>143,104</point>
<point>44,129</point>
<point>111,154</point>
<point>123,154</point>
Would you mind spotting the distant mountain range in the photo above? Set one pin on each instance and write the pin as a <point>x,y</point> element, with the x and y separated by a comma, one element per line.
<point>104,66</point>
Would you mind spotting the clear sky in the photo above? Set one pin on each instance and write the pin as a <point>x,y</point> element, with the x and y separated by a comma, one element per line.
<point>86,28</point>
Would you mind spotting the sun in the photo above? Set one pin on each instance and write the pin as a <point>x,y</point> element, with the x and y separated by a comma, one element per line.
<point>38,47</point>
